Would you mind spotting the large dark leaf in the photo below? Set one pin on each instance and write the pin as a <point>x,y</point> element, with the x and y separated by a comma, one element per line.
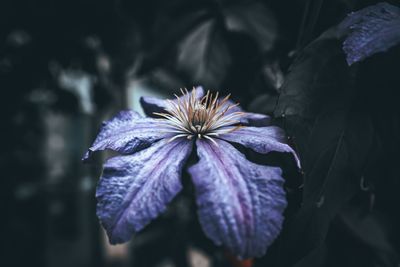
<point>370,229</point>
<point>200,42</point>
<point>333,140</point>
<point>203,54</point>
<point>255,20</point>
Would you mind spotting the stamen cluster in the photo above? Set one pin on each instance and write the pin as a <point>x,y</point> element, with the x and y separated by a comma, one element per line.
<point>206,117</point>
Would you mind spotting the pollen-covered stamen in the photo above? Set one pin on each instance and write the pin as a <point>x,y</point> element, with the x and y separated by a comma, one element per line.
<point>206,117</point>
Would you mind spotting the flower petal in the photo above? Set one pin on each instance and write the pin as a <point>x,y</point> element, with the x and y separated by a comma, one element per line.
<point>154,104</point>
<point>127,132</point>
<point>134,189</point>
<point>255,119</point>
<point>372,29</point>
<point>240,203</point>
<point>261,139</point>
<point>249,118</point>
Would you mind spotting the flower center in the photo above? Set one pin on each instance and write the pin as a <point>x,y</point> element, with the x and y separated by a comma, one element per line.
<point>199,118</point>
<point>191,116</point>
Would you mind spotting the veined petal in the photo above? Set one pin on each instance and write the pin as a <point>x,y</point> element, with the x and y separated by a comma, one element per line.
<point>261,139</point>
<point>373,29</point>
<point>255,119</point>
<point>153,104</point>
<point>249,118</point>
<point>134,189</point>
<point>240,203</point>
<point>128,132</point>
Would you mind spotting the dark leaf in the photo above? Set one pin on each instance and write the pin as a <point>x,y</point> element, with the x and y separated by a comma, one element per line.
<point>333,140</point>
<point>264,104</point>
<point>199,43</point>
<point>166,79</point>
<point>370,229</point>
<point>173,25</point>
<point>314,258</point>
<point>203,55</point>
<point>255,20</point>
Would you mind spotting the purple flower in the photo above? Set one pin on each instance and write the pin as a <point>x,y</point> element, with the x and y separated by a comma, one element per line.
<point>240,203</point>
<point>372,29</point>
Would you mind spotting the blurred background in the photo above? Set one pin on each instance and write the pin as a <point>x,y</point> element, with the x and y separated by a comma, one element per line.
<point>67,65</point>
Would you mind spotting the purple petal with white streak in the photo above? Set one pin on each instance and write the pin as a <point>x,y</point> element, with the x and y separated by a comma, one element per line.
<point>261,139</point>
<point>153,104</point>
<point>127,132</point>
<point>240,203</point>
<point>255,119</point>
<point>134,189</point>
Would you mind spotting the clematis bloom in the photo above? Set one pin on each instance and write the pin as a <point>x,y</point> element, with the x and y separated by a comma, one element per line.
<point>240,203</point>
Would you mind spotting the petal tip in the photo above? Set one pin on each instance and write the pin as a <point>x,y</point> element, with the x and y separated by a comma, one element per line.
<point>86,158</point>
